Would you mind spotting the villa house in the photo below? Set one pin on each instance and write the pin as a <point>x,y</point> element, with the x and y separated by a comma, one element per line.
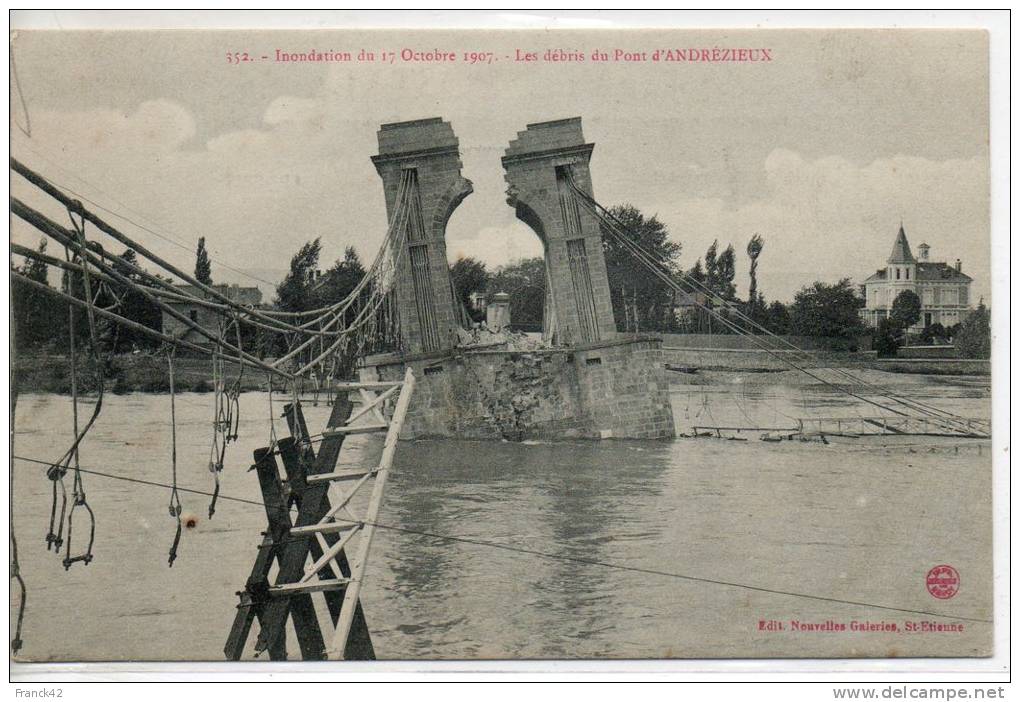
<point>944,290</point>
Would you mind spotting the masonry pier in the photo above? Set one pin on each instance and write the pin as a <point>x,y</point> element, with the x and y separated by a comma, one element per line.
<point>583,379</point>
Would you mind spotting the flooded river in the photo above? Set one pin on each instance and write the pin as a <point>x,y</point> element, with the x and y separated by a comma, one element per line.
<point>558,541</point>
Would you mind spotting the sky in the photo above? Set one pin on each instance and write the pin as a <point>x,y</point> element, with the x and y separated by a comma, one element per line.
<point>823,150</point>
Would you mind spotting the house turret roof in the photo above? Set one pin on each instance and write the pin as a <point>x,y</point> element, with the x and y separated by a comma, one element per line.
<point>901,249</point>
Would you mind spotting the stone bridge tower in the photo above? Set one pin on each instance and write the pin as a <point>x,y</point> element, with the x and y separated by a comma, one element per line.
<point>578,308</point>
<point>426,303</point>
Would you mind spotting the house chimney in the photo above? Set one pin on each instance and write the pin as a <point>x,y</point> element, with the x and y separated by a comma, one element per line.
<point>959,266</point>
<point>923,250</point>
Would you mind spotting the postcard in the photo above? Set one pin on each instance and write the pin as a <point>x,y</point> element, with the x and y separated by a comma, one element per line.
<point>500,344</point>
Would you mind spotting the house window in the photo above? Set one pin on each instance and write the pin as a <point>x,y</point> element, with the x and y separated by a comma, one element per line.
<point>929,296</point>
<point>963,295</point>
<point>193,315</point>
<point>897,274</point>
<point>906,271</point>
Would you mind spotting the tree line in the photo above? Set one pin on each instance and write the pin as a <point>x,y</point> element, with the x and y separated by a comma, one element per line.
<point>641,302</point>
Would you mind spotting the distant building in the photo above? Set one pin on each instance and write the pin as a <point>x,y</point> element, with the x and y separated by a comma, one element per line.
<point>203,316</point>
<point>687,309</point>
<point>944,290</point>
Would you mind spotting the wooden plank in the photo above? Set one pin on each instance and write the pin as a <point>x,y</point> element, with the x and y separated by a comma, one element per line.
<point>327,528</point>
<point>292,589</point>
<point>299,428</point>
<point>273,499</point>
<point>368,398</point>
<point>359,429</point>
<point>258,580</point>
<point>371,385</point>
<point>302,609</point>
<point>341,476</point>
<point>371,404</point>
<point>338,647</point>
<point>313,504</point>
<point>257,585</point>
<point>316,569</point>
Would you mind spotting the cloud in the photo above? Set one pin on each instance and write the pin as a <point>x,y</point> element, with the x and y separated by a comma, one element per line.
<point>156,126</point>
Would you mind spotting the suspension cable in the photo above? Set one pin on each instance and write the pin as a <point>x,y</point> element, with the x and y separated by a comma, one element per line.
<point>174,505</point>
<point>617,228</point>
<point>15,564</point>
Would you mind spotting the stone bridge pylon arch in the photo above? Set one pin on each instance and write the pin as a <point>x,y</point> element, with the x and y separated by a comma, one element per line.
<point>425,299</point>
<point>539,165</point>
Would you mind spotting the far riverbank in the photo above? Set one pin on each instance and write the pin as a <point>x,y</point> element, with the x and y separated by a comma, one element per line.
<point>142,372</point>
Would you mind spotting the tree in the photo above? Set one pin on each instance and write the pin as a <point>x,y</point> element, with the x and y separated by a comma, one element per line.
<point>641,301</point>
<point>757,310</point>
<point>712,265</point>
<point>134,306</point>
<point>524,282</point>
<point>716,282</point>
<point>335,284</point>
<point>754,248</point>
<point>469,276</point>
<point>887,338</point>
<point>339,281</point>
<point>294,294</point>
<point>696,272</point>
<point>974,338</point>
<point>726,271</point>
<point>906,309</point>
<point>933,333</point>
<point>696,282</point>
<point>827,310</point>
<point>203,267</point>
<point>38,316</point>
<point>720,270</point>
<point>778,317</point>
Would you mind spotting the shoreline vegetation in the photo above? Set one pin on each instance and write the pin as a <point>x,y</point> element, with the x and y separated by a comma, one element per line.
<point>124,373</point>
<point>142,372</point>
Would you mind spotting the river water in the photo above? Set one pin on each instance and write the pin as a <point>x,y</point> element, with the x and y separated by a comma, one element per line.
<point>570,532</point>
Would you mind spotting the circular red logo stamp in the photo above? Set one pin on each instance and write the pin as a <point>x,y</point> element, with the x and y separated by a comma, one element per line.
<point>943,581</point>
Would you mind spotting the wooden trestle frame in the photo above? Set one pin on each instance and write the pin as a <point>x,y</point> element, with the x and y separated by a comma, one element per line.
<point>337,539</point>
